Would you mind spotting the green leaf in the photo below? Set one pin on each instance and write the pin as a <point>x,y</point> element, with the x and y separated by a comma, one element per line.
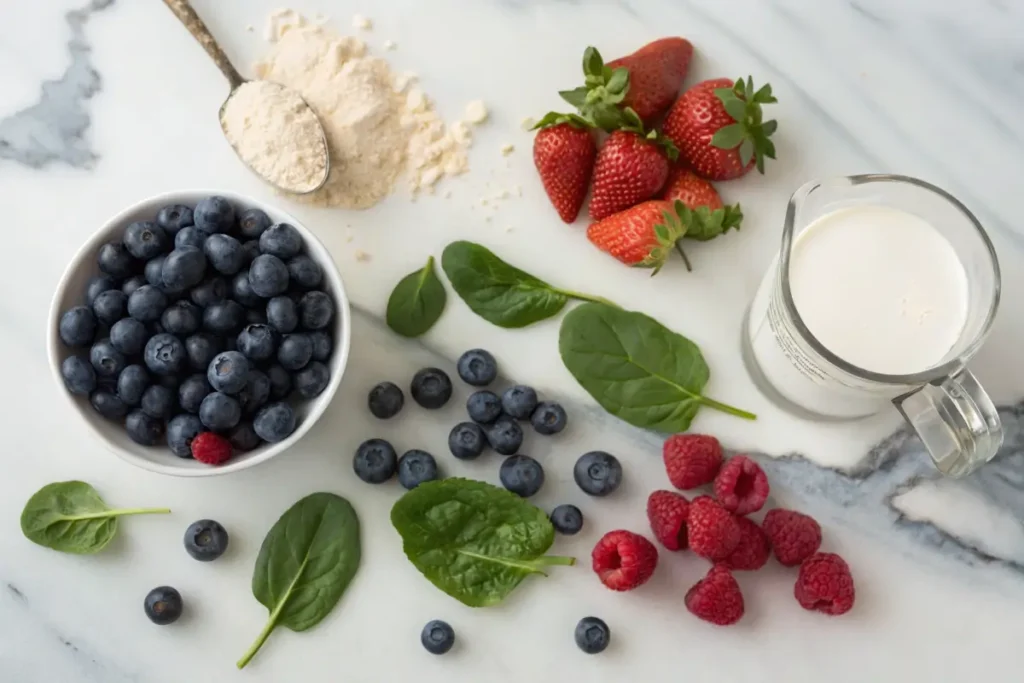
<point>768,127</point>
<point>619,82</point>
<point>417,302</point>
<point>305,564</point>
<point>607,117</point>
<point>764,95</point>
<point>577,97</point>
<point>70,516</point>
<point>747,151</point>
<point>736,108</point>
<point>728,137</point>
<point>474,541</point>
<point>637,369</point>
<point>593,65</point>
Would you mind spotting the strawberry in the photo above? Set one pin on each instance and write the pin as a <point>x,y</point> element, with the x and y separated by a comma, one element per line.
<point>563,152</point>
<point>711,217</point>
<point>718,128</point>
<point>656,73</point>
<point>630,169</point>
<point>640,236</point>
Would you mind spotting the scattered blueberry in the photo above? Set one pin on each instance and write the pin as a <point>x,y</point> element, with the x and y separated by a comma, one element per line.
<point>257,342</point>
<point>243,437</point>
<point>181,429</point>
<point>304,271</point>
<point>505,435</point>
<point>416,467</point>
<point>280,382</point>
<point>224,253</point>
<point>181,318</point>
<point>183,268</point>
<point>322,345</point>
<point>250,250</point>
<point>228,372</point>
<point>255,393</point>
<point>519,402</point>
<point>115,261</point>
<point>79,376</point>
<point>109,306</point>
<point>132,283</point>
<point>205,540</point>
<point>316,310</point>
<point>484,407</point>
<point>252,223</point>
<point>224,317</point>
<point>107,404</point>
<point>131,384</point>
<point>311,380</point>
<point>164,354</point>
<point>437,637</point>
<point>294,351</point>
<point>522,475</point>
<point>145,239</point>
<point>477,367</point>
<point>274,422</point>
<point>174,217</point>
<point>281,240</point>
<point>268,276</point>
<point>192,391</point>
<point>431,388</point>
<point>466,441</point>
<point>385,400</point>
<point>143,429</point>
<point>592,635</point>
<point>282,314</point>
<point>567,519</point>
<point>375,461</point>
<point>153,271</point>
<point>219,412</point>
<point>163,605</point>
<point>201,348</point>
<point>96,285</point>
<point>190,237</point>
<point>548,418</point>
<point>159,402</point>
<point>147,304</point>
<point>214,214</point>
<point>241,291</point>
<point>210,291</point>
<point>77,326</point>
<point>105,359</point>
<point>597,473</point>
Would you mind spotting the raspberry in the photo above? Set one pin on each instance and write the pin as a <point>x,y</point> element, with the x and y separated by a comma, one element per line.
<point>716,598</point>
<point>825,584</point>
<point>752,552</point>
<point>691,460</point>
<point>794,536</point>
<point>741,486</point>
<point>210,448</point>
<point>713,532</point>
<point>667,512</point>
<point>624,560</point>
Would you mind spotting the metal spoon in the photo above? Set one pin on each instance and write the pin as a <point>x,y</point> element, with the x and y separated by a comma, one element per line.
<point>187,15</point>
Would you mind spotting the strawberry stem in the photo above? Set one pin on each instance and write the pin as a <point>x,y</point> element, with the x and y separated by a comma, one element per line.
<point>679,248</point>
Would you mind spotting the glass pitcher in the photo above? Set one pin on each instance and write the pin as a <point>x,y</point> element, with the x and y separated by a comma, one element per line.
<point>944,403</point>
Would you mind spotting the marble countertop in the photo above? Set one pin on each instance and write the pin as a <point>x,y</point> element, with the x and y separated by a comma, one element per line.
<point>107,102</point>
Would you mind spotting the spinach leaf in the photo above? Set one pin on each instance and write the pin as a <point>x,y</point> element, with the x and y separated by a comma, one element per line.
<point>305,564</point>
<point>416,302</point>
<point>474,541</point>
<point>70,516</point>
<point>500,293</point>
<point>637,369</point>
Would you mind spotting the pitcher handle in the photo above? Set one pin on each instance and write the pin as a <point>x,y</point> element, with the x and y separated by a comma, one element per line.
<point>956,420</point>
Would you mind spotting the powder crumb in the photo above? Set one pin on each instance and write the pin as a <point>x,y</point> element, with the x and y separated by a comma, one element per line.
<point>519,190</point>
<point>476,112</point>
<point>483,201</point>
<point>404,80</point>
<point>250,28</point>
<point>362,256</point>
<point>280,22</point>
<point>348,240</point>
<point>390,45</point>
<point>528,123</point>
<point>507,149</point>
<point>487,219</point>
<point>509,229</point>
<point>361,23</point>
<point>448,194</point>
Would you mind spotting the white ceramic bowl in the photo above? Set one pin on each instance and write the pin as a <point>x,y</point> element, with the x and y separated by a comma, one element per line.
<point>71,292</point>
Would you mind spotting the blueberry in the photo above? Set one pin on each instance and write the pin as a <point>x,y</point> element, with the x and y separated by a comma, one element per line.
<point>268,276</point>
<point>255,393</point>
<point>183,268</point>
<point>159,402</point>
<point>153,271</point>
<point>79,376</point>
<point>281,240</point>
<point>294,351</point>
<point>164,354</point>
<point>147,303</point>
<point>132,283</point>
<point>243,437</point>
<point>145,239</point>
<point>205,540</point>
<point>431,388</point>
<point>437,637</point>
<point>105,359</point>
<point>143,429</point>
<point>219,411</point>
<point>592,635</point>
<point>322,345</point>
<point>483,407</point>
<point>214,214</point>
<point>548,418</point>
<point>257,342</point>
<point>192,391</point>
<point>163,605</point>
<point>110,306</point>
<point>375,461</point>
<point>505,435</point>
<point>416,467</point>
<point>181,318</point>
<point>477,367</point>
<point>190,237</point>
<point>304,271</point>
<point>250,250</point>
<point>280,382</point>
<point>224,317</point>
<point>107,404</point>
<point>228,372</point>
<point>282,314</point>
<point>210,291</point>
<point>385,400</point>
<point>567,519</point>
<point>274,422</point>
<point>241,290</point>
<point>597,473</point>
<point>77,326</point>
<point>252,223</point>
<point>254,316</point>
<point>224,253</point>
<point>115,261</point>
<point>96,285</point>
<point>522,475</point>
<point>201,348</point>
<point>311,380</point>
<point>174,217</point>
<point>131,384</point>
<point>172,382</point>
<point>180,431</point>
<point>316,310</point>
<point>466,441</point>
<point>519,402</point>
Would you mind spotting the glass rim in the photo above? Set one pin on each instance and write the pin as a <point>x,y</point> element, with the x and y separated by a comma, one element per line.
<point>917,378</point>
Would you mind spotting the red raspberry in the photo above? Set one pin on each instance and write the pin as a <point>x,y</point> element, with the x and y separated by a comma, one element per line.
<point>716,597</point>
<point>741,486</point>
<point>210,448</point>
<point>667,512</point>
<point>753,550</point>
<point>624,560</point>
<point>825,584</point>
<point>713,532</point>
<point>691,460</point>
<point>794,536</point>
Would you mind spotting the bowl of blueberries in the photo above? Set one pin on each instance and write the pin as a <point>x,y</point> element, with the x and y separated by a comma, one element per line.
<point>200,333</point>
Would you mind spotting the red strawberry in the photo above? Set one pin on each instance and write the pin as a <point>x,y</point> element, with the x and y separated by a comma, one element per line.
<point>667,512</point>
<point>563,152</point>
<point>624,560</point>
<point>210,448</point>
<point>718,129</point>
<point>656,73</point>
<point>711,217</point>
<point>641,236</point>
<point>630,169</point>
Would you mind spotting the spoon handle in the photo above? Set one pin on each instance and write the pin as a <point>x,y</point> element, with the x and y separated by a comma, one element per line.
<point>187,15</point>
